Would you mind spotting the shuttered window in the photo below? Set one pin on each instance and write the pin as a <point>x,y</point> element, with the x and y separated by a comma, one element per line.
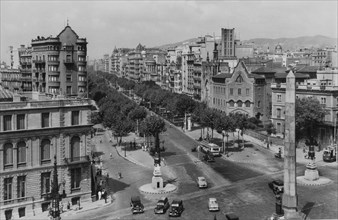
<point>7,123</point>
<point>20,122</point>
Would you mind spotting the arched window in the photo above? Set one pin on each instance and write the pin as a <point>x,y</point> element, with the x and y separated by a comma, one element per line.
<point>247,104</point>
<point>8,154</point>
<point>239,79</point>
<point>21,152</point>
<point>45,150</point>
<point>231,103</point>
<point>239,103</point>
<point>75,148</point>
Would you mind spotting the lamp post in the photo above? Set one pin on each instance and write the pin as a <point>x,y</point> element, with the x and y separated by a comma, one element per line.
<point>56,197</point>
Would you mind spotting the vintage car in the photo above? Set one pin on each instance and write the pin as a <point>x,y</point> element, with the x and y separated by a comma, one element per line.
<point>330,154</point>
<point>201,182</point>
<point>277,186</point>
<point>209,157</point>
<point>213,205</point>
<point>136,205</point>
<point>176,208</point>
<point>162,205</point>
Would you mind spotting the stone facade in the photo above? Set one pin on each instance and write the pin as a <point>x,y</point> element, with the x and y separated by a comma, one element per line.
<point>31,133</point>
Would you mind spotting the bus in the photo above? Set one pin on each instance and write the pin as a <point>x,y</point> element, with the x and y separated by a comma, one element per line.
<point>214,149</point>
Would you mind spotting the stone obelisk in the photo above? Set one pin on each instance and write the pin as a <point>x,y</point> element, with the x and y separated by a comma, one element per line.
<point>290,184</point>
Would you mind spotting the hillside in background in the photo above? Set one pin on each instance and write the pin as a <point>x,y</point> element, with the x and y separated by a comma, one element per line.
<point>318,41</point>
<point>292,44</point>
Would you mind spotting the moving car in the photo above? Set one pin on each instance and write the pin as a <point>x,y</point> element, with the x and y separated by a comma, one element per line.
<point>162,205</point>
<point>277,186</point>
<point>201,182</point>
<point>330,154</point>
<point>209,157</point>
<point>176,208</point>
<point>136,205</point>
<point>213,205</point>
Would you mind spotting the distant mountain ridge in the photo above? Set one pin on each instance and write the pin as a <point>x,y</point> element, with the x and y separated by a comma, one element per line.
<point>318,41</point>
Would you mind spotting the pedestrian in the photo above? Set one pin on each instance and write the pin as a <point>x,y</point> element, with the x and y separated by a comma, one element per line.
<point>99,194</point>
<point>68,205</point>
<point>111,156</point>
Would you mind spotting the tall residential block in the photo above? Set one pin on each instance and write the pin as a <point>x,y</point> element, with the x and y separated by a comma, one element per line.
<point>56,65</point>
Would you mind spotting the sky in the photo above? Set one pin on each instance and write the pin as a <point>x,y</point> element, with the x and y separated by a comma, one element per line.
<point>111,23</point>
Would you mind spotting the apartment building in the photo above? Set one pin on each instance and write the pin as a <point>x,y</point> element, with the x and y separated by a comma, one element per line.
<point>57,64</point>
<point>32,132</point>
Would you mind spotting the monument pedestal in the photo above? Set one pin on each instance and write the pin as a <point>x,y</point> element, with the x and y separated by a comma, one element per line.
<point>311,172</point>
<point>157,182</point>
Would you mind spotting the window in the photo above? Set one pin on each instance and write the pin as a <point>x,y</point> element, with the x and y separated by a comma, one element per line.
<point>21,186</point>
<point>75,117</point>
<point>239,91</point>
<point>8,193</point>
<point>75,148</point>
<point>258,104</point>
<point>8,154</point>
<point>279,97</point>
<point>69,90</point>
<point>231,103</point>
<point>22,212</point>
<point>45,150</point>
<point>7,122</point>
<point>69,78</point>
<point>323,100</point>
<point>75,178</point>
<point>20,122</point>
<point>239,78</point>
<point>239,103</point>
<point>231,91</point>
<point>279,113</point>
<point>247,91</point>
<point>45,183</point>
<point>247,104</point>
<point>45,120</point>
<point>21,151</point>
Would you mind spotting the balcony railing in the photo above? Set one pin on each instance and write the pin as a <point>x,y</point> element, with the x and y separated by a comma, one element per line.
<point>74,160</point>
<point>39,61</point>
<point>16,200</point>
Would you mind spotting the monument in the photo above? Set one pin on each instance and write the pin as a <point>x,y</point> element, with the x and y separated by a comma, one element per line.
<point>289,199</point>
<point>157,185</point>
<point>157,180</point>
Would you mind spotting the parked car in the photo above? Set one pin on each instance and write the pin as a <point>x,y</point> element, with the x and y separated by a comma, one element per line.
<point>162,205</point>
<point>136,205</point>
<point>213,205</point>
<point>176,208</point>
<point>201,182</point>
<point>277,186</point>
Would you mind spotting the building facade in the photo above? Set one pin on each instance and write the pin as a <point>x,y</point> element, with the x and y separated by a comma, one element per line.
<point>58,64</point>
<point>31,134</point>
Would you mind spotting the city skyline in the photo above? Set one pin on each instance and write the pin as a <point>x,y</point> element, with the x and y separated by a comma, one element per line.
<point>125,24</point>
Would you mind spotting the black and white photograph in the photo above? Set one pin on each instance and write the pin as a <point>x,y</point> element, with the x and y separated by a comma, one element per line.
<point>168,109</point>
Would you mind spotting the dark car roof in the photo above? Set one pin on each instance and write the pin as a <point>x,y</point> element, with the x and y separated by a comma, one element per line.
<point>177,201</point>
<point>135,198</point>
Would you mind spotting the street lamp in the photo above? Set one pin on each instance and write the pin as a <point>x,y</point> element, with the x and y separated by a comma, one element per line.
<point>56,197</point>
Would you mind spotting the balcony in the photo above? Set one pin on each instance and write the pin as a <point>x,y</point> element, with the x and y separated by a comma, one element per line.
<point>15,201</point>
<point>26,79</point>
<point>68,61</point>
<point>39,61</point>
<point>77,160</point>
<point>42,79</point>
<point>55,62</point>
<point>82,83</point>
<point>54,83</point>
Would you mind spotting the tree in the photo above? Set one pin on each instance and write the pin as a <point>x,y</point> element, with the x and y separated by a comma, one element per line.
<point>226,124</point>
<point>153,125</point>
<point>210,118</point>
<point>310,115</point>
<point>122,127</point>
